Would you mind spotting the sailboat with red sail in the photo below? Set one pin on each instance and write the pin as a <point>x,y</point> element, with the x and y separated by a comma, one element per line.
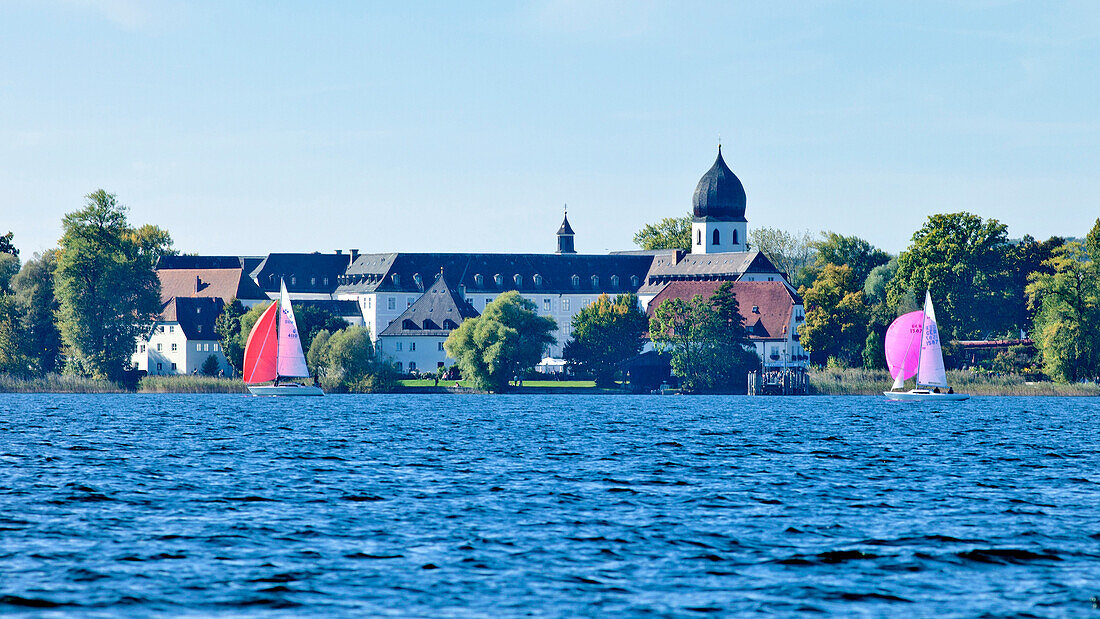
<point>274,353</point>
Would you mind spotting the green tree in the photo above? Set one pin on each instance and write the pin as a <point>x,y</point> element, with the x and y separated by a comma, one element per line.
<point>669,233</point>
<point>345,361</point>
<point>106,286</point>
<point>1067,319</point>
<point>315,356</point>
<point>706,341</point>
<point>34,294</point>
<point>793,254</point>
<point>228,327</point>
<point>856,253</point>
<point>605,333</point>
<point>1024,258</point>
<point>507,339</point>
<point>248,320</point>
<point>962,260</point>
<point>6,246</point>
<point>311,319</point>
<point>210,366</point>
<point>13,357</point>
<point>1092,242</point>
<point>9,268</point>
<point>836,317</point>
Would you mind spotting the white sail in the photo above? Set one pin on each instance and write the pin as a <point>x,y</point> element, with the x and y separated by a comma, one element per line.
<point>930,370</point>
<point>292,362</point>
<point>899,382</point>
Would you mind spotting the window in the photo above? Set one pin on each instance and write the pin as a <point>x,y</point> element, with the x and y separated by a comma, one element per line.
<point>216,347</point>
<point>198,328</point>
<point>419,281</point>
<point>698,237</point>
<point>499,279</point>
<point>546,305</point>
<point>396,280</point>
<point>518,279</point>
<point>198,309</point>
<point>595,281</point>
<point>412,346</point>
<point>488,300</point>
<point>756,309</point>
<point>313,281</point>
<point>206,347</point>
<point>293,280</point>
<point>397,346</point>
<point>412,366</point>
<point>565,305</point>
<point>400,368</point>
<point>634,281</point>
<point>160,366</point>
<point>173,366</point>
<point>392,303</point>
<point>368,302</point>
<point>614,281</point>
<point>171,329</point>
<point>439,365</point>
<point>575,280</point>
<point>716,237</point>
<point>159,347</point>
<point>479,281</point>
<point>771,279</point>
<point>537,279</point>
<point>734,237</point>
<point>142,348</point>
<point>441,347</point>
<point>326,281</point>
<point>408,302</point>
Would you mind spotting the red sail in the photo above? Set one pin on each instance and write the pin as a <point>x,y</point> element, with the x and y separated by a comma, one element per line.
<point>262,349</point>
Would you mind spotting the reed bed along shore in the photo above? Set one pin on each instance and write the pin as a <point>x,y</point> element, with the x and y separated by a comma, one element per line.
<point>56,383</point>
<point>190,384</point>
<point>858,381</point>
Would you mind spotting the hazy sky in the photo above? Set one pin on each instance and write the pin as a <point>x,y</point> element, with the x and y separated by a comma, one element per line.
<point>249,127</point>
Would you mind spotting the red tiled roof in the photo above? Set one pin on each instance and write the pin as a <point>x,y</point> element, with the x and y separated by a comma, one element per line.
<point>225,284</point>
<point>773,301</point>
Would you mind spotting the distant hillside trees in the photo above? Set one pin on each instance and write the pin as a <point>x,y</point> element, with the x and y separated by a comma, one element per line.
<point>506,340</point>
<point>107,290</point>
<point>604,334</point>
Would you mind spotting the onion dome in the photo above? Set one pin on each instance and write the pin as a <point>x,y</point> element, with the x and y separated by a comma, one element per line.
<point>719,194</point>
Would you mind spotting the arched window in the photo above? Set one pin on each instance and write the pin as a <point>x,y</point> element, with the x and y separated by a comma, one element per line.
<point>479,281</point>
<point>698,237</point>
<point>499,279</point>
<point>634,281</point>
<point>734,239</point>
<point>396,280</point>
<point>614,281</point>
<point>714,241</point>
<point>518,279</point>
<point>538,279</point>
<point>595,281</point>
<point>576,280</point>
<point>419,280</point>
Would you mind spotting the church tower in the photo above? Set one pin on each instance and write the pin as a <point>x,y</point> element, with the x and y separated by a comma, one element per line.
<point>565,237</point>
<point>718,207</point>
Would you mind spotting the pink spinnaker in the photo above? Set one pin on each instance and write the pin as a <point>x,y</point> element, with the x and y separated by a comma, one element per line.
<point>903,340</point>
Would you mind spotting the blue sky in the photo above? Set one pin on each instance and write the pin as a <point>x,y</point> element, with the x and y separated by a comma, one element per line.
<point>249,127</point>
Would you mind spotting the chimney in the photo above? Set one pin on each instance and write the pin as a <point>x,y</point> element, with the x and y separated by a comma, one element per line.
<point>339,251</point>
<point>354,254</point>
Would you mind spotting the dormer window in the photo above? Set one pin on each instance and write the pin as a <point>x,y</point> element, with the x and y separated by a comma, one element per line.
<point>756,309</point>
<point>313,281</point>
<point>614,281</point>
<point>499,279</point>
<point>518,279</point>
<point>198,310</point>
<point>419,281</point>
<point>538,279</point>
<point>293,280</point>
<point>634,281</point>
<point>479,280</point>
<point>396,279</point>
<point>576,280</point>
<point>595,281</point>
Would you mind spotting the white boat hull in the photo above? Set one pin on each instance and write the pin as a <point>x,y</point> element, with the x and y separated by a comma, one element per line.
<point>285,390</point>
<point>924,395</point>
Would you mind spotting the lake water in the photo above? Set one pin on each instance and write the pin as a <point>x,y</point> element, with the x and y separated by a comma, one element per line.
<point>548,505</point>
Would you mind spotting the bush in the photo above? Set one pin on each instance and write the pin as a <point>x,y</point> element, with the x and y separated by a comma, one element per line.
<point>210,366</point>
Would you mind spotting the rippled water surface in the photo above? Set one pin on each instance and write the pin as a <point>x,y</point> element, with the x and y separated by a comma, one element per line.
<point>547,505</point>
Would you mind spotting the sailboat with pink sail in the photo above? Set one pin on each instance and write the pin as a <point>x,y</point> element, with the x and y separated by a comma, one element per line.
<point>274,352</point>
<point>913,349</point>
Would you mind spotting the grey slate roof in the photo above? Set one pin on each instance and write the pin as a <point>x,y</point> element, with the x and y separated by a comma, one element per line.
<point>719,194</point>
<point>303,273</point>
<point>209,262</point>
<point>195,315</point>
<point>337,308</point>
<point>415,272</point>
<point>565,227</point>
<point>437,312</point>
<point>677,265</point>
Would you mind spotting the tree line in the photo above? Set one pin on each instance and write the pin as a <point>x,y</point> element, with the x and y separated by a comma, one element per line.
<point>985,286</point>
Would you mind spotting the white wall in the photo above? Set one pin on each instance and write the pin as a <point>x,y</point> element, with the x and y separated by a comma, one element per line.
<point>185,357</point>
<point>702,233</point>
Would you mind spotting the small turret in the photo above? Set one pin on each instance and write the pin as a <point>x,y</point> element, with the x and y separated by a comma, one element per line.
<point>565,236</point>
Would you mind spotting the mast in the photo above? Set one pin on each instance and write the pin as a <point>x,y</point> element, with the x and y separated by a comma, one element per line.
<point>923,321</point>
